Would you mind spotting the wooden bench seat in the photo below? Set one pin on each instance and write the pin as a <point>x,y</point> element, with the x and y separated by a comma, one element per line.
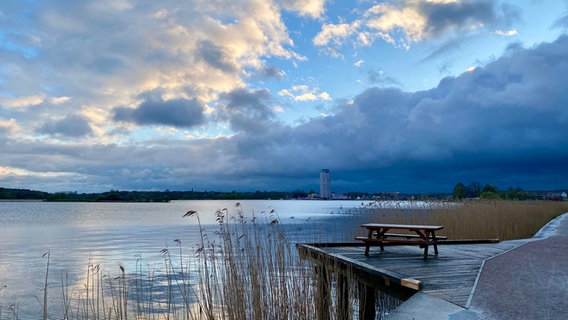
<point>411,236</point>
<point>396,241</point>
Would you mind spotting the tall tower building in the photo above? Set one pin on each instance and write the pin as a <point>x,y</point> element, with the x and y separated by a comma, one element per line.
<point>325,184</point>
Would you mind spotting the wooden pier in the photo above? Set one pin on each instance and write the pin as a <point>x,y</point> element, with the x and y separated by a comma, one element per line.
<point>400,271</point>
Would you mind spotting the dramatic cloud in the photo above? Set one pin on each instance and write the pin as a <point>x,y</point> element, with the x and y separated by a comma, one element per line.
<point>502,123</point>
<point>70,126</point>
<point>237,95</point>
<point>403,22</point>
<point>247,111</point>
<point>216,56</point>
<point>507,117</point>
<point>177,113</point>
<point>443,17</point>
<point>105,53</point>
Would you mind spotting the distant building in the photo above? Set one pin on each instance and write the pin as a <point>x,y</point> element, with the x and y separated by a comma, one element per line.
<point>325,184</point>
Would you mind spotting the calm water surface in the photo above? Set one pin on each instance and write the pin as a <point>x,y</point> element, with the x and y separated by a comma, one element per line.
<point>118,234</point>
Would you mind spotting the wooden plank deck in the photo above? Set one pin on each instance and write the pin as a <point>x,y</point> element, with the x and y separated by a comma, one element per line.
<point>450,276</point>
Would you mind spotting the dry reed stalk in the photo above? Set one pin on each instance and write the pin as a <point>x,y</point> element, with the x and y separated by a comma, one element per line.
<point>254,270</point>
<point>477,219</point>
<point>48,254</point>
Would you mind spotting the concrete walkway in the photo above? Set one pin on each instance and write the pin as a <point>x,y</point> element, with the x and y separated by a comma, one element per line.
<point>528,282</point>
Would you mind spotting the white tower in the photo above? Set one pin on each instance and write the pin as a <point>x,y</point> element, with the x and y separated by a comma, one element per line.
<point>325,184</point>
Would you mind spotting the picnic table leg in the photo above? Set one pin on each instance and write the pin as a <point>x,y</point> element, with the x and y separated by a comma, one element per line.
<point>434,240</point>
<point>367,246</point>
<point>381,235</point>
<point>427,233</point>
<point>424,236</point>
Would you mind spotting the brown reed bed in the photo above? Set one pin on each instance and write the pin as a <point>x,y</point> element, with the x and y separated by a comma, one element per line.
<point>475,219</point>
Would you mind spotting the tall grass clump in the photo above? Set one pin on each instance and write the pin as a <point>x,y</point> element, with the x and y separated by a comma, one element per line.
<point>249,270</point>
<point>474,219</point>
<point>257,273</point>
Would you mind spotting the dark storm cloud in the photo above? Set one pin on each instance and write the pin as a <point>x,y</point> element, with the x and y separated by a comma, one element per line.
<point>504,123</point>
<point>177,112</point>
<point>506,118</point>
<point>247,110</point>
<point>464,16</point>
<point>74,126</point>
<point>443,16</point>
<point>215,55</point>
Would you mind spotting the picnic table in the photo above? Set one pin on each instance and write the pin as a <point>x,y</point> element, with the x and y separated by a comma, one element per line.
<point>422,235</point>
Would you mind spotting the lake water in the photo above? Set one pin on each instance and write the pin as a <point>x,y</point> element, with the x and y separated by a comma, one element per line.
<point>119,234</point>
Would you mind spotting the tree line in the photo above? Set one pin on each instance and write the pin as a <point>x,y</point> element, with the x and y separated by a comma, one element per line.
<point>164,196</point>
<point>138,196</point>
<point>167,195</point>
<point>490,191</point>
<point>460,191</point>
<point>21,194</point>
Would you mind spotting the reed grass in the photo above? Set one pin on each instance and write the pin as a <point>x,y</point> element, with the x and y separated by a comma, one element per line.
<point>474,219</point>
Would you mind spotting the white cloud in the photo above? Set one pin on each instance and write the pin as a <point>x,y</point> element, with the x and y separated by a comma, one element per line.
<point>365,38</point>
<point>310,8</point>
<point>59,100</point>
<point>22,102</point>
<point>324,96</point>
<point>9,126</point>
<point>6,172</point>
<point>358,63</point>
<point>306,96</point>
<point>285,92</point>
<point>387,18</point>
<point>304,93</point>
<point>334,33</point>
<point>507,33</point>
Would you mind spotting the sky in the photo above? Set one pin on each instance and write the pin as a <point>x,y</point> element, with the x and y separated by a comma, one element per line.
<point>400,95</point>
